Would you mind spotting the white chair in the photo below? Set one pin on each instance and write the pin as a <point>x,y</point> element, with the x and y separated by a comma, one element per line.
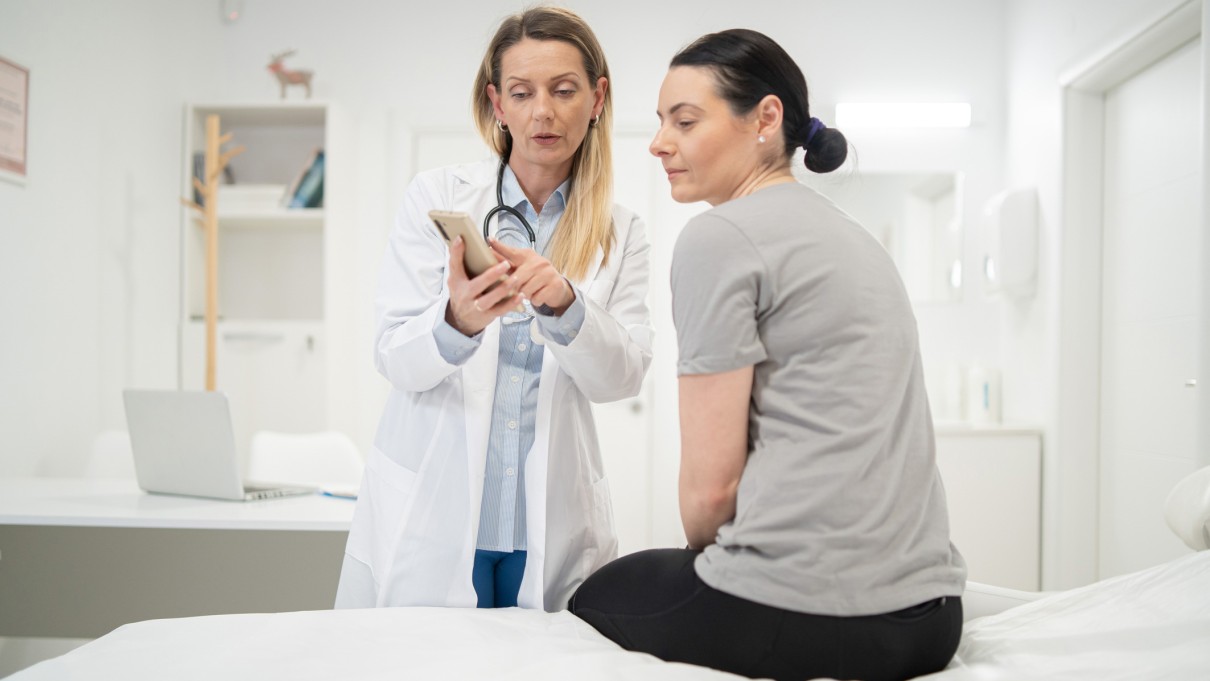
<point>111,456</point>
<point>327,459</point>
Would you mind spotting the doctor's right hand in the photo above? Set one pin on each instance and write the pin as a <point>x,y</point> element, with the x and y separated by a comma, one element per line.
<point>474,303</point>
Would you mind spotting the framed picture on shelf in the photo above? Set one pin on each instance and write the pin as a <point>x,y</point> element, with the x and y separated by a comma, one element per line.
<point>14,120</point>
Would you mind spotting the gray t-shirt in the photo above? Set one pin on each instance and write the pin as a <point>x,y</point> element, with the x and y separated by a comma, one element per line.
<point>840,509</point>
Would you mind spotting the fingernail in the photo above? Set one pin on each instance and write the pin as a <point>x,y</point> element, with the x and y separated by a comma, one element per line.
<point>457,240</point>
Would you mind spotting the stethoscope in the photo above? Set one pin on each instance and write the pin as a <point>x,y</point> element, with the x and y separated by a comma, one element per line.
<point>501,207</point>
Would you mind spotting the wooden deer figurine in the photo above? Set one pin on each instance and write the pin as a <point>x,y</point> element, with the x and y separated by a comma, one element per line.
<point>286,76</point>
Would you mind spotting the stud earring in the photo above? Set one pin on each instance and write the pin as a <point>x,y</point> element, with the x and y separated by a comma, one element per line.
<point>760,138</point>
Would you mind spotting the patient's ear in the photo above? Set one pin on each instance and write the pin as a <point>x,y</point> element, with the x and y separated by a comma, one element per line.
<point>769,115</point>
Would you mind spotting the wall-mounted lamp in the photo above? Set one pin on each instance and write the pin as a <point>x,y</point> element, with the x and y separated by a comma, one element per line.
<point>850,115</point>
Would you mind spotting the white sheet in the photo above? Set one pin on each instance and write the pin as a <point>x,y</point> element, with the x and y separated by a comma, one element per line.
<point>361,645</point>
<point>1152,625</point>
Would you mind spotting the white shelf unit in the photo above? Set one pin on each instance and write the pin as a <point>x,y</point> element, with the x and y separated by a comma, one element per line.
<point>274,271</point>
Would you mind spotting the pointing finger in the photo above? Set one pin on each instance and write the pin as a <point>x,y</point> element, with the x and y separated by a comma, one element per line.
<point>514,255</point>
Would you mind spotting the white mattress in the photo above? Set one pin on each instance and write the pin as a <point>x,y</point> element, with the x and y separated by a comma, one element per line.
<point>358,645</point>
<point>1150,625</point>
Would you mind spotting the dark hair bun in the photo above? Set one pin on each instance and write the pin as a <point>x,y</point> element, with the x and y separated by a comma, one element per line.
<point>826,151</point>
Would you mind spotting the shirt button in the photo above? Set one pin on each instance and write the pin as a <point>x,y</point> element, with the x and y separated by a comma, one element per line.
<point>521,347</point>
<point>510,472</point>
<point>516,379</point>
<point>512,425</point>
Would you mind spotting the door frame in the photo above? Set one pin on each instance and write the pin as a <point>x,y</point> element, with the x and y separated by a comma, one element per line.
<point>1071,481</point>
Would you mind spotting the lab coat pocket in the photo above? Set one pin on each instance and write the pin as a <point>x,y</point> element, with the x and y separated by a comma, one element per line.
<point>600,496</point>
<point>377,523</point>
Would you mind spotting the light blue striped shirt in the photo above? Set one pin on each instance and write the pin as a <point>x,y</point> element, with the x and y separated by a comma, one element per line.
<point>515,403</point>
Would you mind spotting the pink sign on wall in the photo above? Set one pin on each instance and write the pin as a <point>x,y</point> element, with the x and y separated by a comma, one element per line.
<point>14,117</point>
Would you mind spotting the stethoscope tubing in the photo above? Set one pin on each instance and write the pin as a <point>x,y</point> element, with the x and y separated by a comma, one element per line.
<point>502,208</point>
<point>529,230</point>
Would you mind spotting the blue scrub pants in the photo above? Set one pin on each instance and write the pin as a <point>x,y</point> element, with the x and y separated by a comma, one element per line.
<point>497,577</point>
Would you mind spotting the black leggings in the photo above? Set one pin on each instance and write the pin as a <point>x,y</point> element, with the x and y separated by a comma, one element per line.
<point>654,602</point>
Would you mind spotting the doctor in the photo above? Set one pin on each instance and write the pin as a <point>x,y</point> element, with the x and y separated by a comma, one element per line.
<point>485,485</point>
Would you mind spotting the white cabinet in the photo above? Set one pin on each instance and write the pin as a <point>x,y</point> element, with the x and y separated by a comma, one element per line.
<point>993,486</point>
<point>274,269</point>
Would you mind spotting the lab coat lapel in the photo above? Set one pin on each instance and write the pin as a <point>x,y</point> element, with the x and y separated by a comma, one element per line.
<point>479,372</point>
<point>533,582</point>
<point>476,194</point>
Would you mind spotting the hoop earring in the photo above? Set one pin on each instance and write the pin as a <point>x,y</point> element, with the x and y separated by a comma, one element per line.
<point>501,126</point>
<point>760,138</point>
<point>595,119</point>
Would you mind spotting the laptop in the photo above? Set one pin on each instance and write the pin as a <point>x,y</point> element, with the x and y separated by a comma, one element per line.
<point>183,443</point>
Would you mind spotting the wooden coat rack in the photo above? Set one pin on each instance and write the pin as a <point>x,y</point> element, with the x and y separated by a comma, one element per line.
<point>215,161</point>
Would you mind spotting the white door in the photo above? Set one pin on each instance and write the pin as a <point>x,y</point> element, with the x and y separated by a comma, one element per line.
<point>1150,306</point>
<point>624,427</point>
<point>641,437</point>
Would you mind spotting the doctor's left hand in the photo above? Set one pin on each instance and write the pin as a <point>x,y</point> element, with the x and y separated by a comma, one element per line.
<point>474,303</point>
<point>536,278</point>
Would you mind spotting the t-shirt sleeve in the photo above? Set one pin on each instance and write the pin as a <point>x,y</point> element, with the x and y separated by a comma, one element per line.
<point>717,276</point>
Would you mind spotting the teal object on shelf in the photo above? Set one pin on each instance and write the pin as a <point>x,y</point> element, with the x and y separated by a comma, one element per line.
<point>310,192</point>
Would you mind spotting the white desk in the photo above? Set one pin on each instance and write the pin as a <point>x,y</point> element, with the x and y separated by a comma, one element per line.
<point>81,557</point>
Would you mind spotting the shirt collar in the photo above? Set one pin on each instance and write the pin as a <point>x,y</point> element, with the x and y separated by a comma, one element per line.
<point>513,196</point>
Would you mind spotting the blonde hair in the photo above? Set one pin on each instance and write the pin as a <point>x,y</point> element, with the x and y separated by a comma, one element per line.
<point>589,213</point>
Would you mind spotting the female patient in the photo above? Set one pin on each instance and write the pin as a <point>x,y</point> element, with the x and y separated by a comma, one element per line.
<point>817,526</point>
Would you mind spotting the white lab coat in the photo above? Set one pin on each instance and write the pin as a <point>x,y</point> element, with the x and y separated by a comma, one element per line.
<point>414,530</point>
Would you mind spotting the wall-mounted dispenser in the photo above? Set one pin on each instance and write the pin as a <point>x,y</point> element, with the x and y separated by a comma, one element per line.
<point>1010,255</point>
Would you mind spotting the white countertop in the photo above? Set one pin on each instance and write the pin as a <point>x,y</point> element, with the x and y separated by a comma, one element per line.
<point>120,503</point>
<point>983,429</point>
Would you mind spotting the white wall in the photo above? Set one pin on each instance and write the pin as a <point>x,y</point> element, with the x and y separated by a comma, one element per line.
<point>399,75</point>
<point>1204,366</point>
<point>88,246</point>
<point>112,144</point>
<point>1045,39</point>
